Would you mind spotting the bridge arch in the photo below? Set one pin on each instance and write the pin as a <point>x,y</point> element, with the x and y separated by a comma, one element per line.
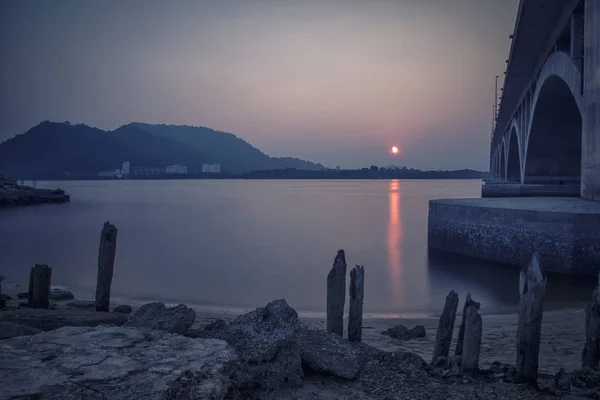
<point>553,145</point>
<point>513,159</point>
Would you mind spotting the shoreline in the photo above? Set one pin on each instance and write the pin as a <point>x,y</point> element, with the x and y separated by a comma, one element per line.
<point>562,337</point>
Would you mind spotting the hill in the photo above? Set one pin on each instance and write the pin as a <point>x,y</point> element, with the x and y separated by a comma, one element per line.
<point>52,150</point>
<point>227,148</point>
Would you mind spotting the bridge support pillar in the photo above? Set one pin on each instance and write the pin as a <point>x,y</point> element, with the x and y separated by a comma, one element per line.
<point>590,179</point>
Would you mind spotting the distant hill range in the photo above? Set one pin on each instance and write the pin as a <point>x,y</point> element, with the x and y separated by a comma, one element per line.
<point>54,150</point>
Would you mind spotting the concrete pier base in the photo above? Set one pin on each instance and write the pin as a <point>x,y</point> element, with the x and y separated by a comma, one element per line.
<point>565,231</point>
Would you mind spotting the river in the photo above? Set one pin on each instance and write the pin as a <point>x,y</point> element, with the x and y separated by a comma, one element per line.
<point>240,243</point>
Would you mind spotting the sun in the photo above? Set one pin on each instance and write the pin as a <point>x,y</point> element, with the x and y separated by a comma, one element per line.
<point>395,150</point>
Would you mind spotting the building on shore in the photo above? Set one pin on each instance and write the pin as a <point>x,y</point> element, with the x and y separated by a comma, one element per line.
<point>211,168</point>
<point>114,173</point>
<point>125,169</point>
<point>176,169</point>
<point>142,171</point>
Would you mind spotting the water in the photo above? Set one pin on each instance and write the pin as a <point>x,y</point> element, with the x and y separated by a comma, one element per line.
<point>239,244</point>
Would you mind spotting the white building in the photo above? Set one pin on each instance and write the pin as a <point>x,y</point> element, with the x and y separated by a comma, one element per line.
<point>176,169</point>
<point>125,169</point>
<point>211,168</point>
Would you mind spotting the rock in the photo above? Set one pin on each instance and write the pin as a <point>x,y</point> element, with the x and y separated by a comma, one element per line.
<point>123,309</point>
<point>47,320</point>
<point>156,316</point>
<point>82,305</point>
<point>60,294</point>
<point>116,363</point>
<point>267,346</point>
<point>329,354</point>
<point>562,380</point>
<point>9,330</point>
<point>203,334</point>
<point>403,333</point>
<point>585,378</point>
<point>217,325</point>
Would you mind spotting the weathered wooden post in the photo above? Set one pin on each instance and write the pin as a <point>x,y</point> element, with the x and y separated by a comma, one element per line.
<point>591,352</point>
<point>40,279</point>
<point>461,331</point>
<point>443,338</point>
<point>472,337</point>
<point>106,265</point>
<point>336,294</point>
<point>532,288</point>
<point>355,314</point>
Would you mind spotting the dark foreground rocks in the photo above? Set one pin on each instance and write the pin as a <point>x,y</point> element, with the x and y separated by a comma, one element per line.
<point>265,354</point>
<point>114,363</point>
<point>330,354</point>
<point>265,341</point>
<point>47,320</point>
<point>157,316</point>
<point>10,330</point>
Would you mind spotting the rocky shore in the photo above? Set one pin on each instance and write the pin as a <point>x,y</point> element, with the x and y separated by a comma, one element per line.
<point>13,194</point>
<point>159,352</point>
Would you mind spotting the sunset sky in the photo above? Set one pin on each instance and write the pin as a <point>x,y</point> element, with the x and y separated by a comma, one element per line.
<point>332,81</point>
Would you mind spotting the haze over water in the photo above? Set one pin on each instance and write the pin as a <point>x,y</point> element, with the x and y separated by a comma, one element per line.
<point>240,244</point>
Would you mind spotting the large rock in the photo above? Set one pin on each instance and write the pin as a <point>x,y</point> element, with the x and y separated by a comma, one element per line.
<point>330,354</point>
<point>266,342</point>
<point>114,363</point>
<point>9,330</point>
<point>403,333</point>
<point>156,316</point>
<point>47,320</point>
<point>123,309</point>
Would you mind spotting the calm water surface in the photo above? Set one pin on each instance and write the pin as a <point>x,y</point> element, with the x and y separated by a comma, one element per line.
<point>240,244</point>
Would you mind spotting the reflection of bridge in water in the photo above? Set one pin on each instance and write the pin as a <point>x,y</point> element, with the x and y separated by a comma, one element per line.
<point>546,143</point>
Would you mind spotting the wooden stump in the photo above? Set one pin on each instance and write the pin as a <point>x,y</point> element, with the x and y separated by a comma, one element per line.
<point>40,279</point>
<point>336,294</point>
<point>443,338</point>
<point>355,315</point>
<point>532,288</point>
<point>591,352</point>
<point>106,265</point>
<point>461,331</point>
<point>472,338</point>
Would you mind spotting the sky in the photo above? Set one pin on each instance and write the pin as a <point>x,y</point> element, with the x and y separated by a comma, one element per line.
<point>332,81</point>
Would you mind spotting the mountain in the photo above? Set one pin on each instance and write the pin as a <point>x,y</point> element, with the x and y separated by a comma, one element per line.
<point>51,149</point>
<point>226,148</point>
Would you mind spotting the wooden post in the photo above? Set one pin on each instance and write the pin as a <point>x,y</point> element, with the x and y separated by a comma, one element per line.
<point>443,338</point>
<point>40,279</point>
<point>532,288</point>
<point>336,294</point>
<point>472,338</point>
<point>355,315</point>
<point>461,331</point>
<point>591,352</point>
<point>106,265</point>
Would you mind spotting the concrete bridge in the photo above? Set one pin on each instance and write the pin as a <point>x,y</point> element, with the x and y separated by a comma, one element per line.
<point>546,140</point>
<point>545,150</point>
